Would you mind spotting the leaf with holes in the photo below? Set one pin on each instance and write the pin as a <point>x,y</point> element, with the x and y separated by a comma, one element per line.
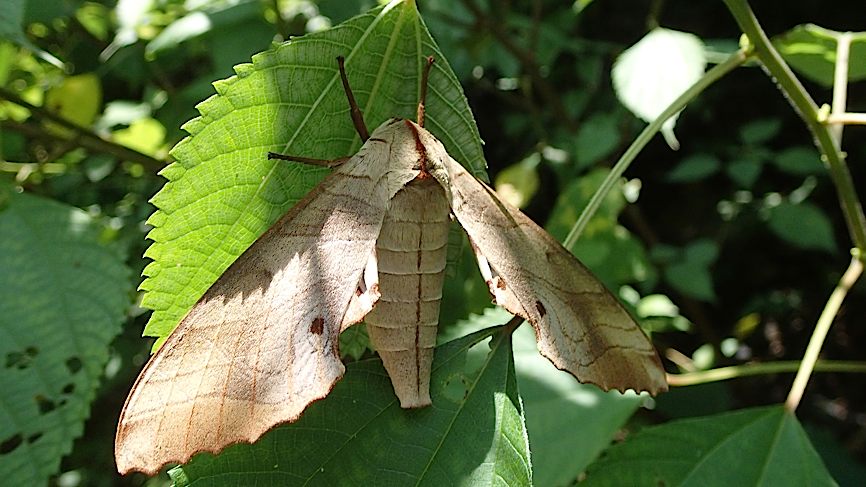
<point>63,301</point>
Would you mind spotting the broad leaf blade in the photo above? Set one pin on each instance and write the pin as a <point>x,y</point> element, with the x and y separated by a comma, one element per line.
<point>472,435</point>
<point>761,446</point>
<point>63,301</point>
<point>569,423</point>
<point>223,193</point>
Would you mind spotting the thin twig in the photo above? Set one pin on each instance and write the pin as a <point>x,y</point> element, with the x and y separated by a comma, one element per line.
<point>847,118</point>
<point>746,370</point>
<point>855,268</point>
<point>840,84</point>
<point>84,137</point>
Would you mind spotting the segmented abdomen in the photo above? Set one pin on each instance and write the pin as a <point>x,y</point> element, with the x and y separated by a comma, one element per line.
<point>411,252</point>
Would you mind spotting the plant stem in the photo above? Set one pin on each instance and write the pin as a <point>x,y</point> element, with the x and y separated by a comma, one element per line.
<point>710,77</point>
<point>840,84</point>
<point>808,111</point>
<point>821,328</point>
<point>746,370</point>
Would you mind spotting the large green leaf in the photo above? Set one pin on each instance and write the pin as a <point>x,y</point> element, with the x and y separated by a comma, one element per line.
<point>223,193</point>
<point>472,435</point>
<point>761,446</point>
<point>64,298</point>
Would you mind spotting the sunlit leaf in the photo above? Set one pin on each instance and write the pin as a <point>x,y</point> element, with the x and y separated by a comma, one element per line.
<point>651,74</point>
<point>223,193</point>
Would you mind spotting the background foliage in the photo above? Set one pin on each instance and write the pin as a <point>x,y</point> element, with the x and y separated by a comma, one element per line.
<point>726,249</point>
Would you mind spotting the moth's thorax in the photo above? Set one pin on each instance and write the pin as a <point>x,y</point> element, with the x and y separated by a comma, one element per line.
<point>412,153</point>
<point>411,252</point>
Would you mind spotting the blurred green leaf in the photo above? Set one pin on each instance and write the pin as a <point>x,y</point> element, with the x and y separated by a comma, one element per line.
<point>78,99</point>
<point>64,298</point>
<point>214,17</point>
<point>223,193</point>
<point>651,74</point>
<point>811,50</point>
<point>354,342</point>
<point>145,135</point>
<point>596,139</point>
<point>694,168</point>
<point>745,171</point>
<point>803,225</point>
<point>473,434</point>
<point>760,131</point>
<point>518,183</point>
<point>689,272</point>
<point>760,446</point>
<point>800,161</point>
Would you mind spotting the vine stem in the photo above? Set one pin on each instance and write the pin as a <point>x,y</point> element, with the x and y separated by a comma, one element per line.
<point>807,365</point>
<point>710,77</point>
<point>809,112</point>
<point>737,371</point>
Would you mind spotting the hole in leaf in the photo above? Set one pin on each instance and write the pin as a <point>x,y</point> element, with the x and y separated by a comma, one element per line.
<point>68,388</point>
<point>73,364</point>
<point>45,405</point>
<point>21,360</point>
<point>456,388</point>
<point>10,444</point>
<point>33,438</point>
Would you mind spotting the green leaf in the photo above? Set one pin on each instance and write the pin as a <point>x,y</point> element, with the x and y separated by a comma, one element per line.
<point>760,446</point>
<point>690,272</point>
<point>800,161</point>
<point>597,138</point>
<point>694,168</point>
<point>651,74</point>
<point>811,50</point>
<point>569,423</point>
<point>222,193</point>
<point>64,298</point>
<point>745,171</point>
<point>803,225</point>
<point>760,131</point>
<point>472,435</point>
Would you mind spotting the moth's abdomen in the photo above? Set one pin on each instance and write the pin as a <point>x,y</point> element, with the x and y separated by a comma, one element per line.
<point>411,252</point>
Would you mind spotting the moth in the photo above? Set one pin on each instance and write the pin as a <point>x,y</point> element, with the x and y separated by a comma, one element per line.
<point>368,243</point>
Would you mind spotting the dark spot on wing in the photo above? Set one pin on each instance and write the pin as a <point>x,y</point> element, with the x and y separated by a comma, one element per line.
<point>540,308</point>
<point>318,326</point>
<point>501,283</point>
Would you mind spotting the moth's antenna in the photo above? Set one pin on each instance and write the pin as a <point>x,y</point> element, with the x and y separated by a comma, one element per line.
<point>357,116</point>
<point>422,99</point>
